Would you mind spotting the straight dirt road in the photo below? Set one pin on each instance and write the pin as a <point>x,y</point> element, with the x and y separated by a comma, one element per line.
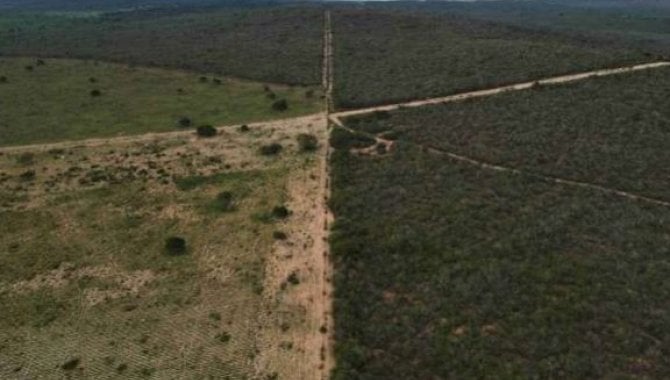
<point>513,87</point>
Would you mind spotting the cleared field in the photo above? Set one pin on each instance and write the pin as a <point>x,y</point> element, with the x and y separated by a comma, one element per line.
<point>93,286</point>
<point>610,131</point>
<point>386,56</point>
<point>448,271</point>
<point>53,99</point>
<point>281,45</point>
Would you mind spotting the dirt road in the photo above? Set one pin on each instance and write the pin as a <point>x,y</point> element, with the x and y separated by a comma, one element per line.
<point>498,90</point>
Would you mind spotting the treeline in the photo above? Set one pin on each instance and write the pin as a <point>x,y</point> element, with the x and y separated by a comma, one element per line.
<point>281,45</point>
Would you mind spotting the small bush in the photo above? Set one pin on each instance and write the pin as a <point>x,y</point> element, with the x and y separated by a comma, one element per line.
<point>280,212</point>
<point>206,131</point>
<point>309,94</point>
<point>271,149</point>
<point>280,105</point>
<point>28,175</point>
<point>267,88</point>
<point>307,142</point>
<point>203,79</point>
<point>26,158</point>
<point>40,62</point>
<point>92,80</point>
<point>175,246</point>
<point>217,81</point>
<point>185,121</point>
<point>70,364</point>
<point>293,279</point>
<point>244,128</point>
<point>224,201</point>
<point>279,235</point>
<point>271,95</point>
<point>223,337</point>
<point>29,68</point>
<point>3,79</point>
<point>95,93</point>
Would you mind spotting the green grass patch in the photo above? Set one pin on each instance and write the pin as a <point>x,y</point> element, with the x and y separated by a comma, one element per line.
<point>54,101</point>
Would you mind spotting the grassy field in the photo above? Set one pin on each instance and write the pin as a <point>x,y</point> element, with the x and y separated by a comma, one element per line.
<point>281,45</point>
<point>55,100</point>
<point>609,131</point>
<point>448,271</point>
<point>90,288</point>
<point>384,56</point>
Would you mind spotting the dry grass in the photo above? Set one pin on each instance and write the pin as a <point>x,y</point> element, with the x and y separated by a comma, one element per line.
<point>83,272</point>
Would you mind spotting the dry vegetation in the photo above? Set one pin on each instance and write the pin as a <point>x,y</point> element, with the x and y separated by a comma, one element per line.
<point>95,281</point>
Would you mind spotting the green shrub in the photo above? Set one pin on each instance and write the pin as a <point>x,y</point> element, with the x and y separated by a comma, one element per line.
<point>185,121</point>
<point>175,246</point>
<point>224,202</point>
<point>280,105</point>
<point>343,139</point>
<point>92,80</point>
<point>293,278</point>
<point>307,142</point>
<point>280,212</point>
<point>279,235</point>
<point>95,93</point>
<point>203,79</point>
<point>223,337</point>
<point>3,79</point>
<point>206,131</point>
<point>29,68</point>
<point>271,149</point>
<point>244,128</point>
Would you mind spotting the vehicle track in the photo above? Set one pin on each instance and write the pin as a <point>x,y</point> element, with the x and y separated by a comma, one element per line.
<point>498,90</point>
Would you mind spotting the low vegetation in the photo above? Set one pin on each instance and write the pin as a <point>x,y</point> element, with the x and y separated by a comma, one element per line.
<point>124,100</point>
<point>450,271</point>
<point>279,45</point>
<point>384,56</point>
<point>608,131</point>
<point>138,258</point>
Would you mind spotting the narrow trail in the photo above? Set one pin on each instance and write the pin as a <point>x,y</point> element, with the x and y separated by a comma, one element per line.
<point>513,87</point>
<point>504,169</point>
<point>327,348</point>
<point>145,137</point>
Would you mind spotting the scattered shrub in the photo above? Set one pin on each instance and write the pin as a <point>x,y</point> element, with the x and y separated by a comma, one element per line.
<point>271,95</point>
<point>293,278</point>
<point>309,94</point>
<point>26,158</point>
<point>280,212</point>
<point>307,142</point>
<point>244,128</point>
<point>185,121</point>
<point>95,93</point>
<point>203,79</point>
<point>40,62</point>
<point>92,80</point>
<point>29,68</point>
<point>27,175</point>
<point>217,81</point>
<point>280,105</point>
<point>223,337</point>
<point>215,316</point>
<point>206,131</point>
<point>3,79</point>
<point>279,235</point>
<point>70,364</point>
<point>224,202</point>
<point>175,246</point>
<point>271,149</point>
